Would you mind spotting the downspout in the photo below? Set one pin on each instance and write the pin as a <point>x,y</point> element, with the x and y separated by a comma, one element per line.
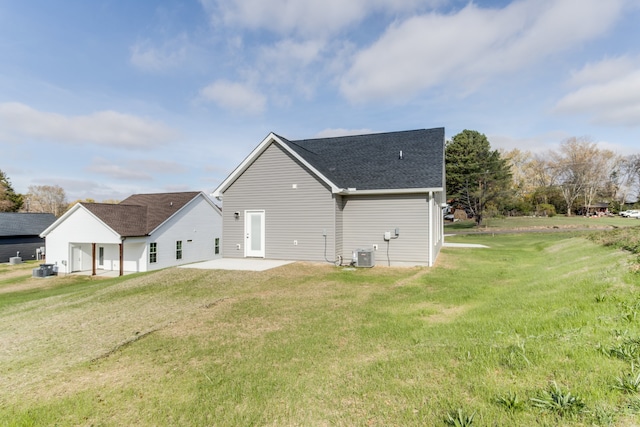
<point>430,198</point>
<point>93,259</point>
<point>121,256</point>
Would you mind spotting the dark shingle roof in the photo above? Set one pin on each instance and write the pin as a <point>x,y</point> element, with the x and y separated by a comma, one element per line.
<point>372,162</point>
<point>24,224</point>
<point>140,214</point>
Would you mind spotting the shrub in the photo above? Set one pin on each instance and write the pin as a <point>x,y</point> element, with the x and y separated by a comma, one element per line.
<point>459,418</point>
<point>628,382</point>
<point>558,401</point>
<point>546,209</point>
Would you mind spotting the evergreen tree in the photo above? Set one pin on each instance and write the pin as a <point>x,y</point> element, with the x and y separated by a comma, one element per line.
<point>477,177</point>
<point>10,201</point>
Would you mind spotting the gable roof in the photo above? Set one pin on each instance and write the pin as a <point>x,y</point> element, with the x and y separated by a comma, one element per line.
<point>24,224</point>
<point>370,163</point>
<point>139,214</point>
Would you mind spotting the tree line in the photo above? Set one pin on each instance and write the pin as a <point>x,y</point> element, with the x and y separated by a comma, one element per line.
<point>38,199</point>
<point>568,180</point>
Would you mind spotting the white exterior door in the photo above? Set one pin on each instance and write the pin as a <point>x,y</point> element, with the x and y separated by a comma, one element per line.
<point>76,258</point>
<point>101,257</point>
<point>254,234</point>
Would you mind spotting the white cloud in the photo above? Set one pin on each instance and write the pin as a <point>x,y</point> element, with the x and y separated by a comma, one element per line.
<point>537,144</point>
<point>146,56</point>
<point>612,97</point>
<point>541,144</point>
<point>134,169</point>
<point>604,71</point>
<point>104,127</point>
<point>472,45</point>
<point>306,18</point>
<point>296,64</point>
<point>234,96</point>
<point>291,51</point>
<point>118,171</point>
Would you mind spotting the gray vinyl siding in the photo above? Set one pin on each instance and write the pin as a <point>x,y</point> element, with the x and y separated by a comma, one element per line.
<point>339,223</point>
<point>366,218</point>
<point>291,214</point>
<point>438,224</point>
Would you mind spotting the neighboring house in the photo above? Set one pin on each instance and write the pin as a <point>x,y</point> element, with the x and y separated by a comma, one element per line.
<point>142,233</point>
<point>323,199</point>
<point>20,232</point>
<point>595,209</point>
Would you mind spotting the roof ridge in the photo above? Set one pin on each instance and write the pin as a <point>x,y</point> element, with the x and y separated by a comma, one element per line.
<point>365,135</point>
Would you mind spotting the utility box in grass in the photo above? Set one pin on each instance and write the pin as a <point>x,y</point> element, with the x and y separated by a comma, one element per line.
<point>45,270</point>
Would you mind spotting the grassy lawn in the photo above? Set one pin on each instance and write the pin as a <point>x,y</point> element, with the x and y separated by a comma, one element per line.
<point>533,223</point>
<point>489,332</point>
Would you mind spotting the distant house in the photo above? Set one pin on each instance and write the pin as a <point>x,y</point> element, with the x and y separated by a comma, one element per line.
<point>143,232</point>
<point>595,209</point>
<point>20,232</point>
<point>324,199</point>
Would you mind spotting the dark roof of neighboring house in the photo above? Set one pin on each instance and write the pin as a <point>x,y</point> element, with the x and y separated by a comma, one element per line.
<point>24,224</point>
<point>140,214</point>
<point>373,161</point>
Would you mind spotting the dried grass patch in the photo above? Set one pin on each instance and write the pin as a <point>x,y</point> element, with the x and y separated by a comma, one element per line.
<point>26,285</point>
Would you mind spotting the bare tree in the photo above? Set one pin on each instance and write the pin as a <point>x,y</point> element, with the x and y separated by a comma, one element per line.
<point>523,183</point>
<point>47,198</point>
<point>583,170</point>
<point>632,176</point>
<point>599,167</point>
<point>569,163</point>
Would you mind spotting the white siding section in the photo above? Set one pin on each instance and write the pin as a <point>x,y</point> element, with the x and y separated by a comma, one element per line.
<point>367,218</point>
<point>298,209</point>
<point>79,229</point>
<point>197,225</point>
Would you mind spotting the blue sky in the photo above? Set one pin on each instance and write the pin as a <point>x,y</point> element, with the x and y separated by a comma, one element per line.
<point>110,98</point>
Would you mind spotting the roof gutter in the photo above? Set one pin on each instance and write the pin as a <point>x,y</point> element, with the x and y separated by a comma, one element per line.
<point>356,192</point>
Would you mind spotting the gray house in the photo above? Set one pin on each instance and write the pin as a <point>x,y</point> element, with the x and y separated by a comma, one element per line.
<point>20,232</point>
<point>326,199</point>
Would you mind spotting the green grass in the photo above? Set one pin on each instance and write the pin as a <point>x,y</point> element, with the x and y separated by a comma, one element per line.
<point>556,222</point>
<point>475,340</point>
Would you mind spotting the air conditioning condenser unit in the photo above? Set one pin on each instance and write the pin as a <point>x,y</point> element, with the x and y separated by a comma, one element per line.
<point>364,258</point>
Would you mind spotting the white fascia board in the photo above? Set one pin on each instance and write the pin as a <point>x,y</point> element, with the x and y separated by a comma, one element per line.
<point>356,192</point>
<point>211,202</point>
<point>58,221</point>
<point>68,213</point>
<point>217,193</point>
<point>334,188</point>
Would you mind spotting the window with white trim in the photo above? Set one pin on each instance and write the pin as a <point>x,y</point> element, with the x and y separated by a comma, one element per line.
<point>153,252</point>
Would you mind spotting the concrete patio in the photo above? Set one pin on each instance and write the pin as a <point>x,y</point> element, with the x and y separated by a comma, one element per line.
<point>244,264</point>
